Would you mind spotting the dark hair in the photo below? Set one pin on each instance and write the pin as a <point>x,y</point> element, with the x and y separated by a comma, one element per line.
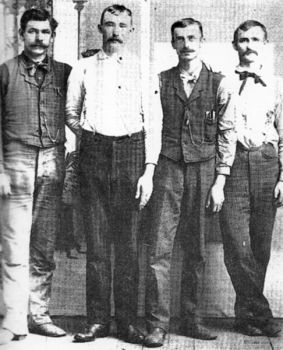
<point>114,9</point>
<point>184,22</point>
<point>36,14</point>
<point>246,26</point>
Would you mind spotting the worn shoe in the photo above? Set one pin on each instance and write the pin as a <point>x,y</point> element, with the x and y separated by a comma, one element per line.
<point>6,336</point>
<point>130,334</point>
<point>96,330</point>
<point>248,329</point>
<point>155,338</point>
<point>270,329</point>
<point>198,331</point>
<point>47,329</point>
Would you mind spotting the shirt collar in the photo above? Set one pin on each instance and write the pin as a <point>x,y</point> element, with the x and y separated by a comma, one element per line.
<point>29,64</point>
<point>101,55</point>
<point>258,71</point>
<point>193,75</point>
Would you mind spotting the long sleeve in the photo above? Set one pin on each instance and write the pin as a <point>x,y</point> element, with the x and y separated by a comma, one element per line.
<point>4,80</point>
<point>153,123</point>
<point>279,123</point>
<point>75,99</point>
<point>227,136</point>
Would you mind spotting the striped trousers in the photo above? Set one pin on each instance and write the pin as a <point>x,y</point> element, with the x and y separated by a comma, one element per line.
<point>109,170</point>
<point>247,220</point>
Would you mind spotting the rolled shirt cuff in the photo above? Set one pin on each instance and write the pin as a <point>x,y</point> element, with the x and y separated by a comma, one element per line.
<point>223,170</point>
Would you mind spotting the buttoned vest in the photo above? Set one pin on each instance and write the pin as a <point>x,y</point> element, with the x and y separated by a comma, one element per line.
<point>189,124</point>
<point>34,114</point>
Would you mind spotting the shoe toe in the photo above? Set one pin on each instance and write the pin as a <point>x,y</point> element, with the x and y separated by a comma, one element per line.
<point>48,329</point>
<point>156,338</point>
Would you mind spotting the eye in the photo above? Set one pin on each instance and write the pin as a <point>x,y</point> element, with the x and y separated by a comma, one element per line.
<point>31,31</point>
<point>109,24</point>
<point>179,39</point>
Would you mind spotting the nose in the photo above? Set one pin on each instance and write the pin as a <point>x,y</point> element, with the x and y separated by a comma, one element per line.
<point>116,31</point>
<point>39,36</point>
<point>186,43</point>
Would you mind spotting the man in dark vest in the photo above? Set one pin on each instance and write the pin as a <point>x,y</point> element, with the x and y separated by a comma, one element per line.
<point>32,136</point>
<point>198,145</point>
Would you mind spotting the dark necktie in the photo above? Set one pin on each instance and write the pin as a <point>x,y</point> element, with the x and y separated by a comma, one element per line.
<point>33,68</point>
<point>245,75</point>
<point>38,71</point>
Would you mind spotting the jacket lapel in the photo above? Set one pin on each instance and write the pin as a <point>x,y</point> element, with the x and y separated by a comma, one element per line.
<point>200,84</point>
<point>31,80</point>
<point>178,85</point>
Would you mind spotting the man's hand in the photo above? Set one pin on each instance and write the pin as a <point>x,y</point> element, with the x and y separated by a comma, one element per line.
<point>216,194</point>
<point>278,194</point>
<point>5,188</point>
<point>145,186</point>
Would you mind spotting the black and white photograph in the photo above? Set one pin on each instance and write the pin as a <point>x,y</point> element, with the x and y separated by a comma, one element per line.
<point>141,174</point>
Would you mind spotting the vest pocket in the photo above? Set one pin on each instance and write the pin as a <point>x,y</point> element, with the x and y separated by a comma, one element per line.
<point>210,126</point>
<point>268,151</point>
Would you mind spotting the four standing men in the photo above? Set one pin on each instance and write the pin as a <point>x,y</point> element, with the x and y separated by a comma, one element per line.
<point>119,149</point>
<point>32,112</point>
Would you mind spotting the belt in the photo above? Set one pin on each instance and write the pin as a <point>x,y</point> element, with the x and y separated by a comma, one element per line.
<point>241,147</point>
<point>135,135</point>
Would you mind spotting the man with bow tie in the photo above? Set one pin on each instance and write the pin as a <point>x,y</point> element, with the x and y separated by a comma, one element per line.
<point>255,186</point>
<point>198,125</point>
<point>32,136</point>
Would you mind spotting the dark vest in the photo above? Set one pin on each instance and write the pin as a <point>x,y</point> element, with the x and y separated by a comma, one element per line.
<point>189,124</point>
<point>34,114</point>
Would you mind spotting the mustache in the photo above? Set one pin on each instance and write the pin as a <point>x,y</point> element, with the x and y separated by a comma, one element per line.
<point>187,51</point>
<point>251,51</point>
<point>40,44</point>
<point>113,39</point>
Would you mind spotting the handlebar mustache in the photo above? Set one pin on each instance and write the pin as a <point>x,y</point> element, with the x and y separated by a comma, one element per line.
<point>115,39</point>
<point>251,51</point>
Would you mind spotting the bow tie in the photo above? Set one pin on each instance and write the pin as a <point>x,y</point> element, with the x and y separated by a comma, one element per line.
<point>188,78</point>
<point>33,67</point>
<point>244,75</point>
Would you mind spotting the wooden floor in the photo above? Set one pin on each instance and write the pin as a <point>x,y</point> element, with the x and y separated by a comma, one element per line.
<point>227,339</point>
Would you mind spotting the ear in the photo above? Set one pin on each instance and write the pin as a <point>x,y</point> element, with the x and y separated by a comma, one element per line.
<point>99,28</point>
<point>173,44</point>
<point>234,46</point>
<point>21,33</point>
<point>53,35</point>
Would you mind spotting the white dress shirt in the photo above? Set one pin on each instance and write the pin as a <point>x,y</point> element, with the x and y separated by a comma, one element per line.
<point>259,110</point>
<point>105,96</point>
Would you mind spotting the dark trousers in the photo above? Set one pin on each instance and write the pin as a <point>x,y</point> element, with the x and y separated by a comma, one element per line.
<point>110,168</point>
<point>179,196</point>
<point>247,220</point>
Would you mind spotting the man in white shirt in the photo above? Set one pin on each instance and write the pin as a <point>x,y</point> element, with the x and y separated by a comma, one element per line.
<point>255,186</point>
<point>118,152</point>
